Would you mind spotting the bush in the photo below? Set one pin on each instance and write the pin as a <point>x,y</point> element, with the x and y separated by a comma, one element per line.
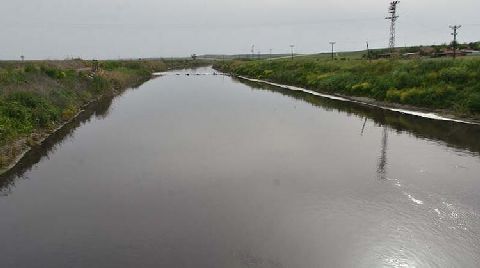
<point>473,103</point>
<point>403,79</point>
<point>30,68</point>
<point>12,76</point>
<point>361,88</point>
<point>29,109</point>
<point>53,72</point>
<point>99,85</point>
<point>456,75</point>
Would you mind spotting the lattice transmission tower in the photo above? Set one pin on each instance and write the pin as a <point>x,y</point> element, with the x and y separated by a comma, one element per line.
<point>392,10</point>
<point>455,43</point>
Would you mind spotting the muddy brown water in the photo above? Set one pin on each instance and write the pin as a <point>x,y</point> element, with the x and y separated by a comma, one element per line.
<point>209,171</point>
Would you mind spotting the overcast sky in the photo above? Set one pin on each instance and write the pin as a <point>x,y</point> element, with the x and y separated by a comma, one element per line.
<point>160,28</point>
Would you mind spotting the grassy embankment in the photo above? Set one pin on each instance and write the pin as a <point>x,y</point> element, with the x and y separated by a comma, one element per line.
<point>446,85</point>
<point>39,96</point>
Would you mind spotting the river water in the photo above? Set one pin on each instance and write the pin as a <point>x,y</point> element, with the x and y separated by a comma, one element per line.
<point>209,171</point>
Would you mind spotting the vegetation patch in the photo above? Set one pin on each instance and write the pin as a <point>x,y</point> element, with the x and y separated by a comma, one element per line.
<point>444,84</point>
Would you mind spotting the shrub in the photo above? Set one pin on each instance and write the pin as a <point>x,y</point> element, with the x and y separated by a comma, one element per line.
<point>30,68</point>
<point>99,84</point>
<point>53,73</point>
<point>30,109</point>
<point>361,88</point>
<point>393,95</point>
<point>473,103</point>
<point>68,113</point>
<point>458,75</point>
<point>403,79</point>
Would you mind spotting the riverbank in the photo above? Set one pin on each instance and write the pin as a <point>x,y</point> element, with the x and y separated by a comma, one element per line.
<point>37,98</point>
<point>405,109</point>
<point>445,87</point>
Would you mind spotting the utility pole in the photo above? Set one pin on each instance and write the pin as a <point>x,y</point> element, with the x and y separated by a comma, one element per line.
<point>455,33</point>
<point>95,66</point>
<point>368,51</point>
<point>333,44</point>
<point>253,51</point>
<point>270,53</point>
<point>291,50</point>
<point>393,19</point>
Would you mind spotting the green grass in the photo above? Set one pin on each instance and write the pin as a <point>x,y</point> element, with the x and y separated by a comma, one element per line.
<point>452,85</point>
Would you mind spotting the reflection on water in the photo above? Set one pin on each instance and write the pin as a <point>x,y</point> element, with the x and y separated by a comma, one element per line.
<point>203,171</point>
<point>459,136</point>
<point>97,110</point>
<point>363,127</point>
<point>382,160</point>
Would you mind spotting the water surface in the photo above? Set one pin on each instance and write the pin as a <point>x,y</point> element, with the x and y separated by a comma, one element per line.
<point>206,171</point>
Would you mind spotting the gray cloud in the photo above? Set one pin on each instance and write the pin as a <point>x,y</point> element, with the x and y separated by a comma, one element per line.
<point>145,28</point>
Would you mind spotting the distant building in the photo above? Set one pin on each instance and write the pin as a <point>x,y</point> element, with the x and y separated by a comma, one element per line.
<point>471,52</point>
<point>450,53</point>
<point>415,55</point>
<point>427,51</point>
<point>384,56</point>
<point>388,55</point>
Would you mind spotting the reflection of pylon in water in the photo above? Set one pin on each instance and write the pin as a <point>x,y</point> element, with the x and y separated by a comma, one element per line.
<point>363,127</point>
<point>382,161</point>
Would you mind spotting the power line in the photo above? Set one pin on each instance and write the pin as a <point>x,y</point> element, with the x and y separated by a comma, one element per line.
<point>393,19</point>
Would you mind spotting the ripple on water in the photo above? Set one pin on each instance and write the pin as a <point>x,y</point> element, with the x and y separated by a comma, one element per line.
<point>413,199</point>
